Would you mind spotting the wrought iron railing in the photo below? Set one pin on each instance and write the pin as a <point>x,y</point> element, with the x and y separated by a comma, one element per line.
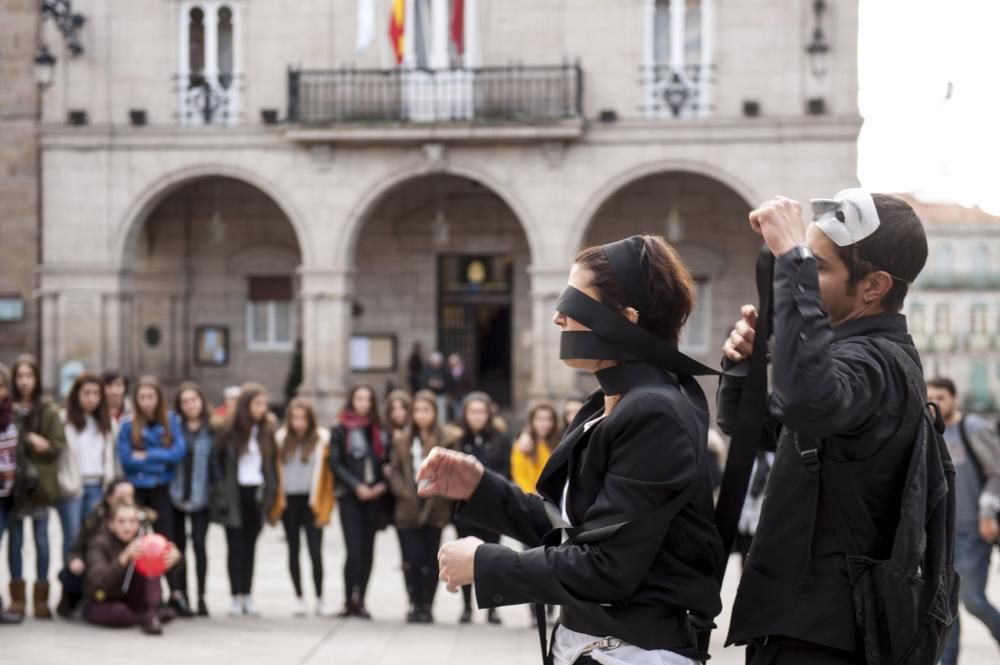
<point>500,94</point>
<point>679,92</point>
<point>208,100</point>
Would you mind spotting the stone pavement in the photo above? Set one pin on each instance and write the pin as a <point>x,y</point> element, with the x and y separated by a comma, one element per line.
<point>278,638</point>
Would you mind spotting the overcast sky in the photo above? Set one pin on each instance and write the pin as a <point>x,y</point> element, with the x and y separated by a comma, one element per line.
<point>918,137</point>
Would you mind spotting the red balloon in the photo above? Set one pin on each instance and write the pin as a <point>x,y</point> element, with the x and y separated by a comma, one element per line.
<point>153,562</point>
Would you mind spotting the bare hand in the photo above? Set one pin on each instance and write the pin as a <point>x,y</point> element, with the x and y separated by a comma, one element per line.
<point>450,474</point>
<point>171,556</point>
<point>457,560</point>
<point>378,489</point>
<point>131,552</point>
<point>76,566</point>
<point>40,444</point>
<point>780,222</point>
<point>363,492</point>
<point>989,529</point>
<point>139,455</point>
<point>739,344</point>
<point>525,444</point>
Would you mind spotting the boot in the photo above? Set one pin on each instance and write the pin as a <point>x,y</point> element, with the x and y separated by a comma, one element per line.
<point>40,598</point>
<point>18,599</point>
<point>8,617</point>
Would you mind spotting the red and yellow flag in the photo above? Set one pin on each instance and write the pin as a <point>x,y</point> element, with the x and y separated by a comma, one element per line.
<point>397,29</point>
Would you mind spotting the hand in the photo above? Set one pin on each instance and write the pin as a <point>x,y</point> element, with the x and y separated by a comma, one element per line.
<point>131,552</point>
<point>378,489</point>
<point>76,566</point>
<point>457,561</point>
<point>386,470</point>
<point>739,345</point>
<point>450,474</point>
<point>139,455</point>
<point>989,529</point>
<point>780,222</point>
<point>171,556</point>
<point>363,492</point>
<point>525,444</point>
<point>39,443</point>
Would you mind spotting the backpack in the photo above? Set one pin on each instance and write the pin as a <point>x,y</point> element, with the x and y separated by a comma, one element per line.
<point>904,606</point>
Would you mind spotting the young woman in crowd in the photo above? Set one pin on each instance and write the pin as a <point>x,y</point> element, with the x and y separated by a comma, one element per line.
<point>116,393</point>
<point>534,447</point>
<point>42,441</point>
<point>357,457</point>
<point>189,494</point>
<point>481,439</point>
<point>8,469</point>
<point>245,488</point>
<point>419,521</point>
<point>150,447</point>
<point>571,407</point>
<point>397,415</point>
<point>90,446</point>
<point>118,594</point>
<point>303,455</point>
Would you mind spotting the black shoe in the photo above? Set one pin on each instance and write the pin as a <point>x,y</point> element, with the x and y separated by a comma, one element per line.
<point>362,613</point>
<point>166,614</point>
<point>178,602</point>
<point>202,607</point>
<point>64,608</point>
<point>424,615</point>
<point>493,618</point>
<point>466,616</point>
<point>152,625</point>
<point>411,616</point>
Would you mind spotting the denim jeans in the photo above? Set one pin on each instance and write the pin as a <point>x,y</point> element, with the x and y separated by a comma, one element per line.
<point>70,519</point>
<point>972,561</point>
<point>40,529</point>
<point>92,495</point>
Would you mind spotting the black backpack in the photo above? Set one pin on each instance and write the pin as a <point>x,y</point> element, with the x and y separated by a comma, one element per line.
<point>904,606</point>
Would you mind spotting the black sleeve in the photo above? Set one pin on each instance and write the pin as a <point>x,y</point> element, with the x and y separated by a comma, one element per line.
<point>653,459</point>
<point>817,390</point>
<point>728,401</point>
<point>341,473</point>
<point>501,507</point>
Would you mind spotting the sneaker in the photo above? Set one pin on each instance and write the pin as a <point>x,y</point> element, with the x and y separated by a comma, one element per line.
<point>322,610</point>
<point>300,607</point>
<point>249,608</point>
<point>236,607</point>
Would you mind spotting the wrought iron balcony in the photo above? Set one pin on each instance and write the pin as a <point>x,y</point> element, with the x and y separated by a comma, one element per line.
<point>677,92</point>
<point>208,100</point>
<point>514,94</point>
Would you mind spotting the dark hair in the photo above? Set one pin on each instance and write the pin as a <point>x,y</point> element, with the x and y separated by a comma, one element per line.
<point>74,412</point>
<point>390,401</point>
<point>553,437</point>
<point>109,376</point>
<point>206,410</point>
<point>240,424</point>
<point>293,442</point>
<point>139,418</point>
<point>437,431</point>
<point>478,396</point>
<point>898,247</point>
<point>668,280</point>
<point>115,508</point>
<point>349,406</point>
<point>943,383</point>
<point>110,489</point>
<point>32,363</point>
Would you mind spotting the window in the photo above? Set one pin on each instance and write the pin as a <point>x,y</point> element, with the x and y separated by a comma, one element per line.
<point>697,331</point>
<point>208,62</point>
<point>916,321</point>
<point>942,318</point>
<point>270,314</point>
<point>978,323</point>
<point>981,261</point>
<point>677,59</point>
<point>943,260</point>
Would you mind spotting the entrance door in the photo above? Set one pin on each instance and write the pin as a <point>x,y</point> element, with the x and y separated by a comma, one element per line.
<point>475,318</point>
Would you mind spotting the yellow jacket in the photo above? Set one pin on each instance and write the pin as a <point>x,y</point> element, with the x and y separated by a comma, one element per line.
<point>321,497</point>
<point>526,469</point>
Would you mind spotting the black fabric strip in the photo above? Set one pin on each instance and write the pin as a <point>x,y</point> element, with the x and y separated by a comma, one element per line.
<point>625,257</point>
<point>621,378</point>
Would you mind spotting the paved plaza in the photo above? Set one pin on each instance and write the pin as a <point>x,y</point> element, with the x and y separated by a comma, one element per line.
<point>277,638</point>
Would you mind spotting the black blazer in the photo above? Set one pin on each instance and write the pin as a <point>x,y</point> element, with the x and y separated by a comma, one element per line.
<point>630,582</point>
<point>349,471</point>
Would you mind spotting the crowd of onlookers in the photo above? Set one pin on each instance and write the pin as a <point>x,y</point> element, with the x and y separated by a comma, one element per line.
<point>121,463</point>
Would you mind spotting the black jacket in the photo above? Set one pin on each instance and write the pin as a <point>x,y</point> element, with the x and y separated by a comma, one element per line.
<point>835,386</point>
<point>638,587</point>
<point>349,469</point>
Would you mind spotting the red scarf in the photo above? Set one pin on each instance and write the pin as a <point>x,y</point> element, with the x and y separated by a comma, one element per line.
<point>351,420</point>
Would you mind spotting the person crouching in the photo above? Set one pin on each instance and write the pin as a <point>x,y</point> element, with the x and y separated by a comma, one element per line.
<point>118,594</point>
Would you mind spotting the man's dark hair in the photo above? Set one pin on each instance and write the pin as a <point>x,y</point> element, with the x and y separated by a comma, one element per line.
<point>898,247</point>
<point>943,383</point>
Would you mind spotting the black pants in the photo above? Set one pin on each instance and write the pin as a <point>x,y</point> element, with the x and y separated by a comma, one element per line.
<point>359,520</point>
<point>298,516</point>
<point>158,498</point>
<point>199,530</point>
<point>486,537</point>
<point>242,543</point>
<point>790,652</point>
<point>420,564</point>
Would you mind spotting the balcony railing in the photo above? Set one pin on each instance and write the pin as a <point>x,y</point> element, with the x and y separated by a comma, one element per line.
<point>490,94</point>
<point>208,100</point>
<point>963,280</point>
<point>678,92</point>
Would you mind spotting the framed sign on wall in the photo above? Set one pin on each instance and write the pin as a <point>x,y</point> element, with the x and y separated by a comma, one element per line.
<point>373,353</point>
<point>211,346</point>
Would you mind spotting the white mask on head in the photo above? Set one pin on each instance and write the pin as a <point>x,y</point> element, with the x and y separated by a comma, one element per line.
<point>848,217</point>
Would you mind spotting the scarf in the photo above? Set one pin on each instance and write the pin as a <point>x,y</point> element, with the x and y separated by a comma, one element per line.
<point>6,412</point>
<point>351,420</point>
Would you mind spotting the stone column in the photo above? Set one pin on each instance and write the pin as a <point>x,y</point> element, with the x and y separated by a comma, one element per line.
<point>550,378</point>
<point>326,330</point>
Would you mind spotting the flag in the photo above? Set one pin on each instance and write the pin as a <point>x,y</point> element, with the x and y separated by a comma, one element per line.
<point>458,25</point>
<point>366,24</point>
<point>397,29</point>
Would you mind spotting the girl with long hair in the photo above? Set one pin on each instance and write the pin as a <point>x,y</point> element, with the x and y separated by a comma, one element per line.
<point>534,446</point>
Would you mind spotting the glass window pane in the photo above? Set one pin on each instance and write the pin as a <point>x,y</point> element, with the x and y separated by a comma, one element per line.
<point>282,321</point>
<point>225,46</point>
<point>258,323</point>
<point>196,42</point>
<point>661,32</point>
<point>692,32</point>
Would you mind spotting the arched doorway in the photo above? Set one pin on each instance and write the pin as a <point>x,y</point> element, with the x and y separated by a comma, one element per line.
<point>706,221</point>
<point>441,260</point>
<point>211,271</point>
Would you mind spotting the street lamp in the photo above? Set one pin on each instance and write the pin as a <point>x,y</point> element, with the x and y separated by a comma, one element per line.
<point>45,64</point>
<point>818,48</point>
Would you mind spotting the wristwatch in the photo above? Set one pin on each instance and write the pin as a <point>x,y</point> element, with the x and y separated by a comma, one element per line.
<point>800,253</point>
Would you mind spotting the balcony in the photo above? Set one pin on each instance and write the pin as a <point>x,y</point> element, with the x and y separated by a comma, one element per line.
<point>964,280</point>
<point>374,105</point>
<point>208,100</point>
<point>675,92</point>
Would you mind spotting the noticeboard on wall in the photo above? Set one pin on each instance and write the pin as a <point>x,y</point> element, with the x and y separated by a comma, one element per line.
<point>211,346</point>
<point>373,353</point>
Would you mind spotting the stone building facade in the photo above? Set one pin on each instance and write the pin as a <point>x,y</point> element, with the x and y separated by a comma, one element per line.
<point>19,177</point>
<point>248,177</point>
<point>954,308</point>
